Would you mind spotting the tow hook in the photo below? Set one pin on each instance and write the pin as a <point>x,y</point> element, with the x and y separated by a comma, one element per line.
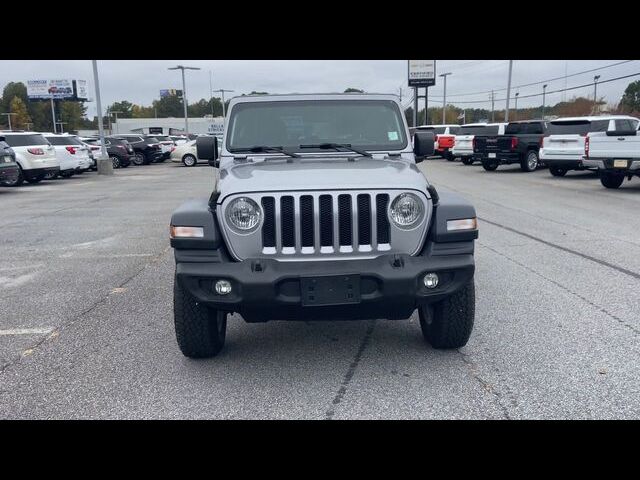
<point>397,262</point>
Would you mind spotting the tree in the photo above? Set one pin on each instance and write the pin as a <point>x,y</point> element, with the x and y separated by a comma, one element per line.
<point>630,102</point>
<point>72,113</point>
<point>21,118</point>
<point>170,106</point>
<point>12,90</point>
<point>123,108</point>
<point>353,90</point>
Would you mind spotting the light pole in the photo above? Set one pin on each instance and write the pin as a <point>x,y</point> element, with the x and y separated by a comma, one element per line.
<point>595,93</point>
<point>516,112</point>
<point>506,113</point>
<point>444,98</point>
<point>9,118</point>
<point>184,94</point>
<point>544,91</point>
<point>61,127</point>
<point>222,90</point>
<point>211,94</point>
<point>104,164</point>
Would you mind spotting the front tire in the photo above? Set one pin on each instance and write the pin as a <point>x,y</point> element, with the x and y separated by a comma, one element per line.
<point>17,182</point>
<point>200,330</point>
<point>489,166</point>
<point>611,180</point>
<point>467,160</point>
<point>530,162</point>
<point>189,160</point>
<point>138,159</point>
<point>448,323</point>
<point>34,180</point>
<point>115,160</point>
<point>558,172</point>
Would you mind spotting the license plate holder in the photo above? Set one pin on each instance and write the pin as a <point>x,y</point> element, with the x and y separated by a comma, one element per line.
<point>619,164</point>
<point>330,290</point>
<point>492,155</point>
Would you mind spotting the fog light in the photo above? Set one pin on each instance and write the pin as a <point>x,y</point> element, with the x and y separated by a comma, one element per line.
<point>430,280</point>
<point>223,287</point>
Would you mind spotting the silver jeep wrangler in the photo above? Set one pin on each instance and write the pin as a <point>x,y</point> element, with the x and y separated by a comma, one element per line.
<point>320,212</point>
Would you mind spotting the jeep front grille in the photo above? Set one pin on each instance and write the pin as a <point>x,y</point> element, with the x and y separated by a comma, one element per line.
<point>327,225</point>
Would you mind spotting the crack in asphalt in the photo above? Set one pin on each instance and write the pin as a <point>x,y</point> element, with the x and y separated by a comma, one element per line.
<point>635,330</point>
<point>56,332</point>
<point>350,372</point>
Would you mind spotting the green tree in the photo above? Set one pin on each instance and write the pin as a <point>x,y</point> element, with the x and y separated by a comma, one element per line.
<point>123,107</point>
<point>630,102</point>
<point>21,118</point>
<point>12,90</point>
<point>169,107</point>
<point>73,114</point>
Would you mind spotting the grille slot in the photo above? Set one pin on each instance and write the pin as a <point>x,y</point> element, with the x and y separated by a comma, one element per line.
<point>287,218</point>
<point>326,221</point>
<point>344,219</point>
<point>382,221</point>
<point>364,219</point>
<point>269,226</point>
<point>306,220</point>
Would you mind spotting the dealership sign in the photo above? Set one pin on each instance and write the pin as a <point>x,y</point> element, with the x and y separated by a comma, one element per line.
<point>422,73</point>
<point>172,92</point>
<point>60,89</point>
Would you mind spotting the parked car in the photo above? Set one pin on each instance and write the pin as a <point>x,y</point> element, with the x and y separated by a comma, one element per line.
<point>179,139</point>
<point>72,154</point>
<point>335,234</point>
<point>520,144</point>
<point>463,141</point>
<point>615,153</point>
<point>186,153</point>
<point>562,150</point>
<point>120,151</point>
<point>166,145</point>
<point>9,170</point>
<point>444,135</point>
<point>146,148</point>
<point>35,156</point>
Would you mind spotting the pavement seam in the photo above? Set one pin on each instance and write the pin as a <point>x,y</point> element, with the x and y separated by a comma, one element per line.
<point>350,372</point>
<point>487,386</point>
<point>635,330</point>
<point>56,332</point>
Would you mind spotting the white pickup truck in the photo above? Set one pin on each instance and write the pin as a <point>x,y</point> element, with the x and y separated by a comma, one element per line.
<point>616,155</point>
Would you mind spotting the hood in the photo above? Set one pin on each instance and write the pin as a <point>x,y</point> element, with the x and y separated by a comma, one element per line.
<point>320,174</point>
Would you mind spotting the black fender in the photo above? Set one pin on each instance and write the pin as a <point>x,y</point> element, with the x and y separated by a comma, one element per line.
<point>197,213</point>
<point>451,206</point>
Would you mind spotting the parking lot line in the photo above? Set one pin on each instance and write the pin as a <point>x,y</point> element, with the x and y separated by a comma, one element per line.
<point>27,331</point>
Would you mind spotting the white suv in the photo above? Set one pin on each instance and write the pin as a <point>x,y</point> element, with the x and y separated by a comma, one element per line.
<point>563,147</point>
<point>463,142</point>
<point>34,154</point>
<point>71,152</point>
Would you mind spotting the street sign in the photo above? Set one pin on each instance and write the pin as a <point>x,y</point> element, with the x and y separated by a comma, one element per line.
<point>422,73</point>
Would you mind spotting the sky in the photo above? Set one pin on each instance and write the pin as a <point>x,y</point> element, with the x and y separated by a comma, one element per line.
<point>139,81</point>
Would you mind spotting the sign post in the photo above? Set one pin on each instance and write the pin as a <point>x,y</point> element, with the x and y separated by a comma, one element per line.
<point>421,73</point>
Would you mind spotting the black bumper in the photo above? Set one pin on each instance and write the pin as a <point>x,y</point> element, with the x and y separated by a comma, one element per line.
<point>501,158</point>
<point>390,286</point>
<point>39,172</point>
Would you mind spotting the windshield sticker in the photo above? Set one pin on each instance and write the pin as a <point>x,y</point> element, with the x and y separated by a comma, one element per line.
<point>392,136</point>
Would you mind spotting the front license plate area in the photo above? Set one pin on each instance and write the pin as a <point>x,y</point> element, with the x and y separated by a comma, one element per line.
<point>492,155</point>
<point>330,290</point>
<point>619,164</point>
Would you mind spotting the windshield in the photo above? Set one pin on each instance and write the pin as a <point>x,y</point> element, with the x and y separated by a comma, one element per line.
<point>478,130</point>
<point>364,124</point>
<point>577,127</point>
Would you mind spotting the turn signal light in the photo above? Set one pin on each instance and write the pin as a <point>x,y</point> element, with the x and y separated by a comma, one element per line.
<point>462,224</point>
<point>186,232</point>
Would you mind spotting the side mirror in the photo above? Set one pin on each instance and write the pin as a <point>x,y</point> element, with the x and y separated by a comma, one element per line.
<point>207,149</point>
<point>423,145</point>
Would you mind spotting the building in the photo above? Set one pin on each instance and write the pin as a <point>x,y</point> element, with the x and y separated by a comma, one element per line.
<point>168,126</point>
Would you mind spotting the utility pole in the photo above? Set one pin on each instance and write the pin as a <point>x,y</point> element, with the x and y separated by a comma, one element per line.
<point>9,118</point>
<point>493,118</point>
<point>595,94</point>
<point>516,113</point>
<point>61,127</point>
<point>184,94</point>
<point>444,98</point>
<point>222,90</point>
<point>506,112</point>
<point>53,114</point>
<point>544,91</point>
<point>211,94</point>
<point>105,166</point>
<point>415,106</point>
<point>426,105</point>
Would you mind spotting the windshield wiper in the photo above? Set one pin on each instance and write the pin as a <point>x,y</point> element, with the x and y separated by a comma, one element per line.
<point>337,146</point>
<point>267,149</point>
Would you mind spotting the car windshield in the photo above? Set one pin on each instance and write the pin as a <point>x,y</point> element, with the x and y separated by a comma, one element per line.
<point>577,127</point>
<point>363,124</point>
<point>25,140</point>
<point>477,130</point>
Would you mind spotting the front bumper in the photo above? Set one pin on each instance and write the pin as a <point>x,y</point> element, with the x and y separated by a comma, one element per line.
<point>391,286</point>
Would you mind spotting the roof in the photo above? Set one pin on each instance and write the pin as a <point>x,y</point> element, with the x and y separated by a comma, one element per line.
<point>317,96</point>
<point>440,125</point>
<point>481,124</point>
<point>593,118</point>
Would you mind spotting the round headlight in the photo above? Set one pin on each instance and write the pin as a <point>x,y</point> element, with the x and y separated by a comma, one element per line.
<point>406,210</point>
<point>243,214</point>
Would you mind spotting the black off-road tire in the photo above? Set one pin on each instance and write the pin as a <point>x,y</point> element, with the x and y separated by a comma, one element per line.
<point>557,171</point>
<point>611,180</point>
<point>448,323</point>
<point>200,330</point>
<point>530,162</point>
<point>467,160</point>
<point>489,166</point>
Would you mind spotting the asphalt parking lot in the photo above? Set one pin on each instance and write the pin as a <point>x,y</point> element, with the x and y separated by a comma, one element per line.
<point>86,323</point>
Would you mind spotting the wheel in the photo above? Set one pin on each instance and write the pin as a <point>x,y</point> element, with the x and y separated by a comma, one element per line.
<point>115,160</point>
<point>200,330</point>
<point>189,160</point>
<point>449,157</point>
<point>17,182</point>
<point>557,171</point>
<point>66,174</point>
<point>530,162</point>
<point>34,180</point>
<point>448,323</point>
<point>51,175</point>
<point>467,160</point>
<point>611,180</point>
<point>138,159</point>
<point>489,166</point>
